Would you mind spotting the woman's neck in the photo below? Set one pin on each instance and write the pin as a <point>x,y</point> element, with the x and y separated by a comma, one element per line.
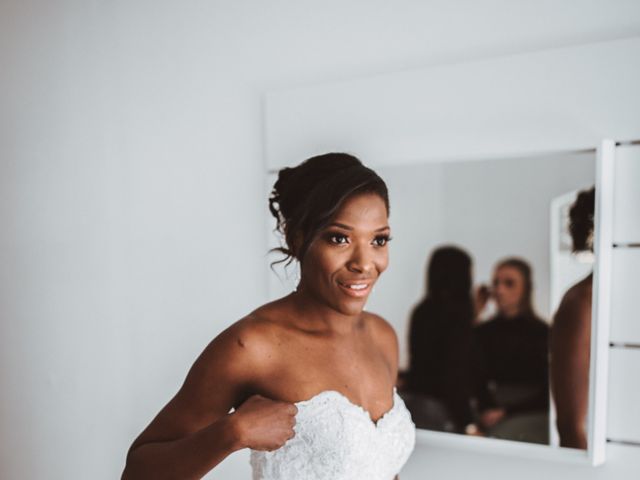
<point>315,314</point>
<point>511,313</point>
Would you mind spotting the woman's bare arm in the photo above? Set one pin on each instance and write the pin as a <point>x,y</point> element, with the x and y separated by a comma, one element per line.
<point>194,432</point>
<point>570,352</point>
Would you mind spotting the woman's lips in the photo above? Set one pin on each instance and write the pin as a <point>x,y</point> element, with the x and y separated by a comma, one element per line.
<point>361,292</point>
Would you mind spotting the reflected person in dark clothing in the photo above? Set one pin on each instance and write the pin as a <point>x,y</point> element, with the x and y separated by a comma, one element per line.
<point>511,349</point>
<point>440,335</point>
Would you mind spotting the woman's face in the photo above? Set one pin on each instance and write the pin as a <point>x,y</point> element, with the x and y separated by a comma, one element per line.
<point>345,259</point>
<point>508,290</point>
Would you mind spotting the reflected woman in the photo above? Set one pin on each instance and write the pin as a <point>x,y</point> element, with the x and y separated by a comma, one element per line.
<point>311,376</point>
<point>440,336</point>
<point>511,349</point>
<point>571,336</point>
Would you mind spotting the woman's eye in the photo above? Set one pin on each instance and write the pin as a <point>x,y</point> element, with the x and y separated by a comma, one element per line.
<point>341,239</point>
<point>337,238</point>
<point>382,240</point>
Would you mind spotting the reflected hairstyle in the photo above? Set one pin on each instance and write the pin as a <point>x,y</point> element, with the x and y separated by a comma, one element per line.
<point>305,197</point>
<point>449,273</point>
<point>581,216</point>
<point>525,270</point>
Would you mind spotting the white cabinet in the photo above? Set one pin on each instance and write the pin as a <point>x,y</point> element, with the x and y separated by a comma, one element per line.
<point>626,216</point>
<point>623,423</point>
<point>625,296</point>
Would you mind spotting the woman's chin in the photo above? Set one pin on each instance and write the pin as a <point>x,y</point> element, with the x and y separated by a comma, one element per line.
<point>352,308</point>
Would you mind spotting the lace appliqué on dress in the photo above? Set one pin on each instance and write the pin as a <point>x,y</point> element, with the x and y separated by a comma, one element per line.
<point>336,439</point>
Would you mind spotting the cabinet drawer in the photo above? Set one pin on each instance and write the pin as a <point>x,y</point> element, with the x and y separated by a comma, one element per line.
<point>623,422</point>
<point>625,296</point>
<point>626,213</point>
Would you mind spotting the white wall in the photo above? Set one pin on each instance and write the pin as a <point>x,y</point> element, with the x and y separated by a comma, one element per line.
<point>131,175</point>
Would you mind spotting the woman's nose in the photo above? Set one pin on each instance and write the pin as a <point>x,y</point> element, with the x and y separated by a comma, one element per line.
<point>361,260</point>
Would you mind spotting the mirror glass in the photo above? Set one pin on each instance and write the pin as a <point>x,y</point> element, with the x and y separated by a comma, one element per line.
<point>480,261</point>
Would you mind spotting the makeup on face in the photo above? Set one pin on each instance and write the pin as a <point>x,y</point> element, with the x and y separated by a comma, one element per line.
<point>508,288</point>
<point>350,253</point>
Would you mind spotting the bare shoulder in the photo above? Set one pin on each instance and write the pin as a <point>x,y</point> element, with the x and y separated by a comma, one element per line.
<point>575,306</point>
<point>221,377</point>
<point>381,327</point>
<point>385,337</point>
<point>243,351</point>
<point>248,338</point>
<point>576,302</point>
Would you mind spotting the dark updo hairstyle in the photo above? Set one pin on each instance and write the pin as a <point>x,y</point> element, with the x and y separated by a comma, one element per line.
<point>305,197</point>
<point>581,216</point>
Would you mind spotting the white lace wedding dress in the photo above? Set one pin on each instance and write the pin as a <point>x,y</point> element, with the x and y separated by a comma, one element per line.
<point>336,439</point>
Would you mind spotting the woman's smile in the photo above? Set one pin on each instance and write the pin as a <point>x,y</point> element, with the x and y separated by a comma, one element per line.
<point>357,289</point>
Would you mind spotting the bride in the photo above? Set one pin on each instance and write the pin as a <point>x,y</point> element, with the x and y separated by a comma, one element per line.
<point>311,376</point>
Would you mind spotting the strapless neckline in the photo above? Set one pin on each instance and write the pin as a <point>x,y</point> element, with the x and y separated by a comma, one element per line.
<point>342,397</point>
<point>337,439</point>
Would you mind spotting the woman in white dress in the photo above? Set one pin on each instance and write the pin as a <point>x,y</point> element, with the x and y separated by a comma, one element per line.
<point>311,376</point>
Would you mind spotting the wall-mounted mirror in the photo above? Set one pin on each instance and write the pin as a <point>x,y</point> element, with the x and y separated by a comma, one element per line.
<point>482,257</point>
<point>475,369</point>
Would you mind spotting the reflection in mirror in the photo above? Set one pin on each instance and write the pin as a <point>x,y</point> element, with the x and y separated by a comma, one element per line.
<point>491,273</point>
<point>571,328</point>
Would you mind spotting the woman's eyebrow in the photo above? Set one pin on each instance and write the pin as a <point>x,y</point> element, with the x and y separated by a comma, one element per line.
<point>347,227</point>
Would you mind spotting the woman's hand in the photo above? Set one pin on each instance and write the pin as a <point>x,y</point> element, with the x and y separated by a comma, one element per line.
<point>482,296</point>
<point>265,424</point>
<point>490,417</point>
